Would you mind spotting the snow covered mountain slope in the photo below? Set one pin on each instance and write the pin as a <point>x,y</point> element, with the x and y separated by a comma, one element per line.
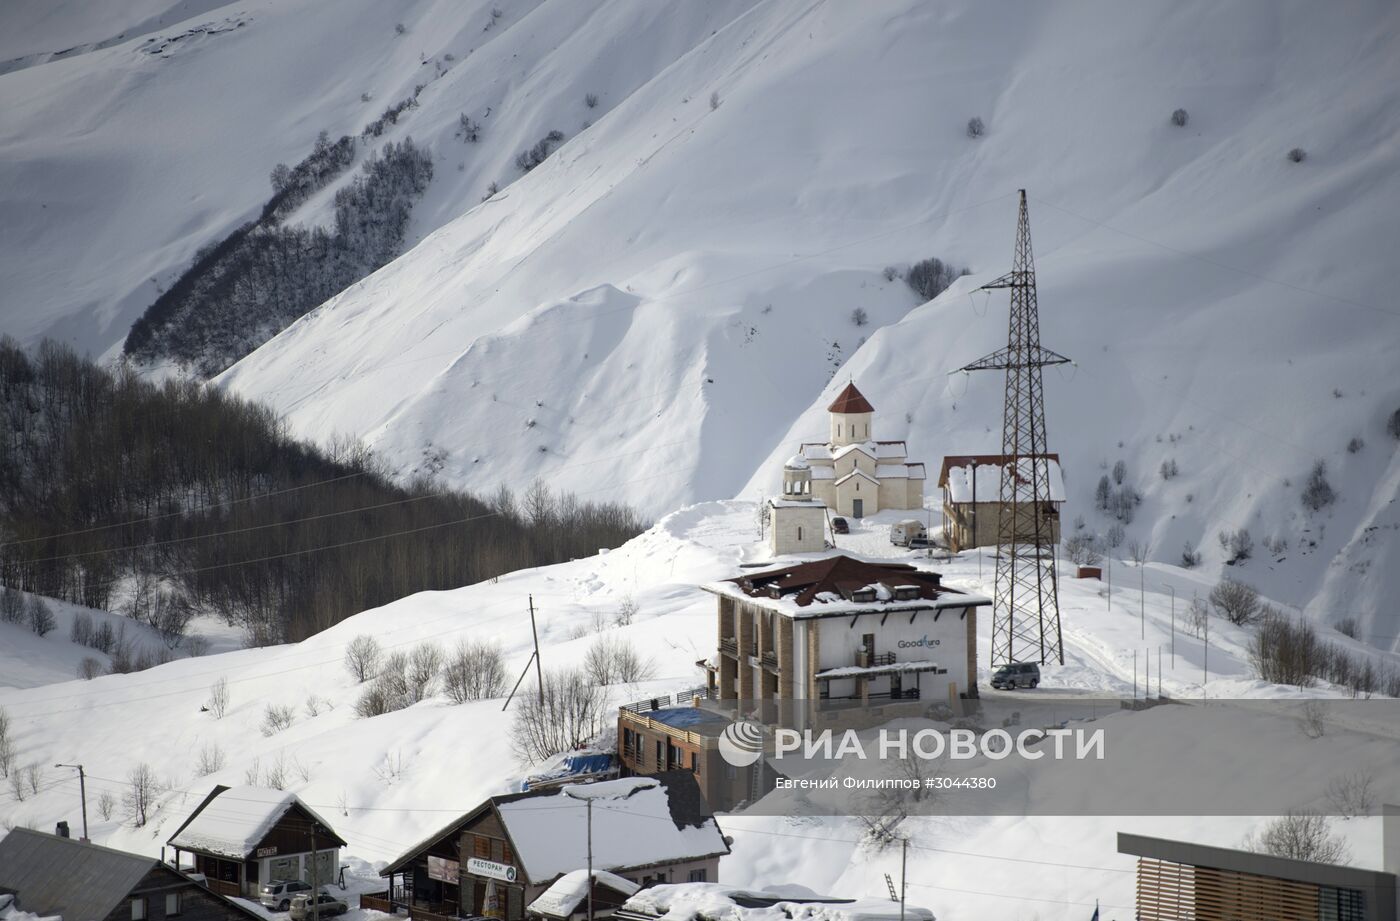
<point>652,313</point>
<point>118,164</point>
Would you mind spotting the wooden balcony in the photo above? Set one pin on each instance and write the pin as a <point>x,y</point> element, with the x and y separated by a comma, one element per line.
<point>224,888</point>
<point>379,901</point>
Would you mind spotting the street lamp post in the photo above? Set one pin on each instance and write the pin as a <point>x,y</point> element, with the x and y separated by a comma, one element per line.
<point>588,806</point>
<point>82,793</point>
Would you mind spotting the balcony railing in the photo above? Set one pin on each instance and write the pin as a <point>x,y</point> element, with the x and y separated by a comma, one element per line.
<point>867,659</point>
<point>729,645</point>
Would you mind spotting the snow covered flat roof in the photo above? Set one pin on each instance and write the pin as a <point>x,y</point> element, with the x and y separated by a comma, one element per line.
<point>852,671</point>
<point>717,902</point>
<point>822,607</point>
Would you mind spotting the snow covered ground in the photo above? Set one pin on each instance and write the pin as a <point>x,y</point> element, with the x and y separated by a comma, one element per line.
<point>385,782</point>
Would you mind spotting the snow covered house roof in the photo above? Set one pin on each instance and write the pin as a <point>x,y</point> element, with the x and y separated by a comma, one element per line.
<point>841,584</point>
<point>961,470</point>
<point>850,400</point>
<point>718,902</point>
<point>891,449</point>
<point>568,893</point>
<point>868,448</point>
<point>234,822</point>
<point>816,451</point>
<point>637,822</point>
<point>75,880</point>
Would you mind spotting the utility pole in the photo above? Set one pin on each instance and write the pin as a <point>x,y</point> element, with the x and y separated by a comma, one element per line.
<point>569,791</point>
<point>539,673</point>
<point>82,793</point>
<point>315,877</point>
<point>903,868</point>
<point>1142,594</point>
<point>1172,589</point>
<point>1026,605</point>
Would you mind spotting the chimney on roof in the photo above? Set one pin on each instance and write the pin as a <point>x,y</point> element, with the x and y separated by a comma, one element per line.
<point>62,830</point>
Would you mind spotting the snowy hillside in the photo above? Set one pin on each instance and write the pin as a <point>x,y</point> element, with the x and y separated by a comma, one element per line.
<point>384,782</point>
<point>653,312</point>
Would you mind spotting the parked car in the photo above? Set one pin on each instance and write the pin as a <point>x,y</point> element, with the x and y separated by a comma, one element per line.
<point>306,906</point>
<point>902,532</point>
<point>840,526</point>
<point>1016,675</point>
<point>277,894</point>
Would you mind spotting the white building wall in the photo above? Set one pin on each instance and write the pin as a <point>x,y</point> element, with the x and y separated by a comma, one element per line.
<point>943,641</point>
<point>796,529</point>
<point>849,428</point>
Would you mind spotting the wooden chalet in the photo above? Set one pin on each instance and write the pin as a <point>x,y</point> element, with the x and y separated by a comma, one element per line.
<point>53,875</point>
<point>504,854</point>
<point>241,837</point>
<point>972,491</point>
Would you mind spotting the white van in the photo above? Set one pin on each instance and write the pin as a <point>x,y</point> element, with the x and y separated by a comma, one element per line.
<point>902,532</point>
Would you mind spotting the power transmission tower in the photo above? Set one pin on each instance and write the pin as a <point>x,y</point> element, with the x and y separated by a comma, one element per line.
<point>1026,604</point>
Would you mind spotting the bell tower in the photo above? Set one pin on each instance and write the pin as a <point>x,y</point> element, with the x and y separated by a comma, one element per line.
<point>851,418</point>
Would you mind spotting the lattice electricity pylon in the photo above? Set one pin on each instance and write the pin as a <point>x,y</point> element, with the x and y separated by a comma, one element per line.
<point>1026,603</point>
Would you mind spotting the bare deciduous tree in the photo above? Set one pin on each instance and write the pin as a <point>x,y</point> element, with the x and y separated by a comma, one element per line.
<point>475,671</point>
<point>424,665</point>
<point>210,760</point>
<point>1237,602</point>
<point>7,744</point>
<point>362,657</point>
<point>1351,795</point>
<point>218,698</point>
<point>139,796</point>
<point>106,805</point>
<point>569,712</point>
<point>614,660</point>
<point>1300,836</point>
<point>277,717</point>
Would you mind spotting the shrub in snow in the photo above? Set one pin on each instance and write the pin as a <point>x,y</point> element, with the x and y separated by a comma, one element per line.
<point>1115,535</point>
<point>1237,602</point>
<point>421,674</point>
<point>714,100</point>
<point>859,317</point>
<point>475,671</point>
<point>1120,470</point>
<point>590,100</point>
<point>1317,492</point>
<point>1350,795</point>
<point>1355,445</point>
<point>1285,653</point>
<point>1300,836</point>
<point>1392,425</point>
<point>1238,545</point>
<point>568,713</point>
<point>210,760</point>
<point>103,637</point>
<point>527,160</point>
<point>7,744</point>
<point>218,698</point>
<point>468,130</point>
<point>362,657</point>
<point>277,717</point>
<point>626,611</point>
<point>975,127</point>
<point>1179,118</point>
<point>1082,550</point>
<point>1197,617</point>
<point>89,668</point>
<point>931,277</point>
<point>890,273</point>
<point>106,805</point>
<point>613,660</point>
<point>1103,492</point>
<point>400,28</point>
<point>1169,468</point>
<point>1190,557</point>
<point>1297,155</point>
<point>40,616</point>
<point>1347,626</point>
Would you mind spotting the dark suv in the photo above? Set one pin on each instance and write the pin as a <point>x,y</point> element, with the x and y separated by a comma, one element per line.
<point>1016,675</point>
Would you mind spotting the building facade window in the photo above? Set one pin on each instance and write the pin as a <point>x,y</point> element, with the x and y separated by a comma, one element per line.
<point>173,904</point>
<point>1341,904</point>
<point>138,910</point>
<point>698,876</point>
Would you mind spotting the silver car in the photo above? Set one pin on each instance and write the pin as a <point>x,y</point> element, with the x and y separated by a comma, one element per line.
<point>307,906</point>
<point>277,894</point>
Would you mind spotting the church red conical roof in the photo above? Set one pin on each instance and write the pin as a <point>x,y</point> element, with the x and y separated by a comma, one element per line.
<point>851,400</point>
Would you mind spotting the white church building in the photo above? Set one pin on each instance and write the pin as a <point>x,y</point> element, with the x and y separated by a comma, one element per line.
<point>852,475</point>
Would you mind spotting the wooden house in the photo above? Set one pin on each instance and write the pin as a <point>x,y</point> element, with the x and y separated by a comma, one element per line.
<point>53,875</point>
<point>571,898</point>
<point>504,854</point>
<point>242,837</point>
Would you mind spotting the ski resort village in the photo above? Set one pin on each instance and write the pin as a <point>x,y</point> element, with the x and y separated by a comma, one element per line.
<point>741,460</point>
